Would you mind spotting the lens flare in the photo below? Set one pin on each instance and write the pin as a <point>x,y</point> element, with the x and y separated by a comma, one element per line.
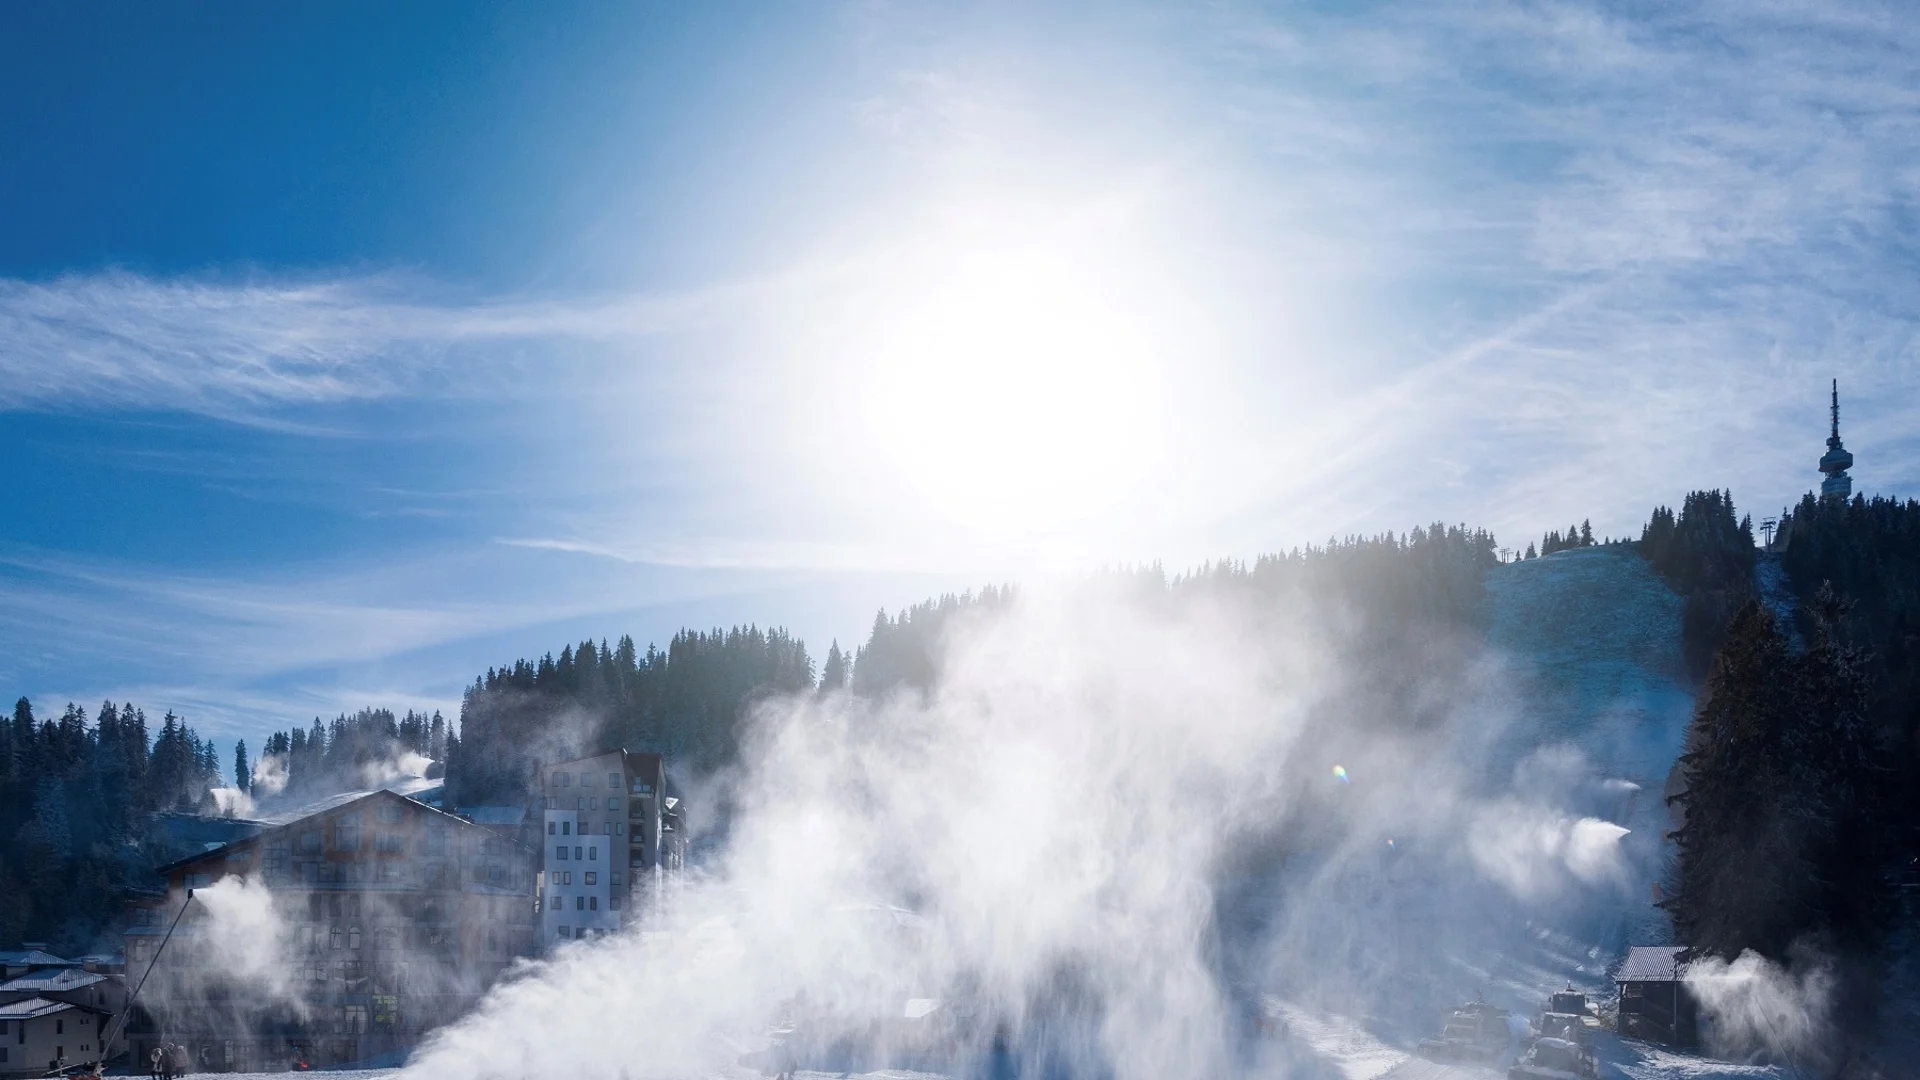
<point>1341,772</point>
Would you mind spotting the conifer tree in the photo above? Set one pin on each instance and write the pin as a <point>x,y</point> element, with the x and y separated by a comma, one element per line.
<point>833,674</point>
<point>1780,796</point>
<point>242,772</point>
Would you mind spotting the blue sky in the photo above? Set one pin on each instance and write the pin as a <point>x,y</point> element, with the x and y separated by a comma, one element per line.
<point>346,349</point>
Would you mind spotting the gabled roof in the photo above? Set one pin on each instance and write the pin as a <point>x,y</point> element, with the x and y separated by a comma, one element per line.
<point>1651,963</point>
<point>294,817</point>
<point>57,980</point>
<point>29,1008</point>
<point>34,958</point>
<point>496,815</point>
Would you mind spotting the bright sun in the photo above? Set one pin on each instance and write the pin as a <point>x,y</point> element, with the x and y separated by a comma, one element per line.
<point>1014,391</point>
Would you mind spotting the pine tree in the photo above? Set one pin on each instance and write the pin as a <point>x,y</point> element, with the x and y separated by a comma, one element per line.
<point>833,674</point>
<point>242,772</point>
<point>1782,790</point>
<point>1740,876</point>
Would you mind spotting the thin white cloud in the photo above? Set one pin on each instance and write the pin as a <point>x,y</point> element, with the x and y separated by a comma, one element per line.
<point>120,340</point>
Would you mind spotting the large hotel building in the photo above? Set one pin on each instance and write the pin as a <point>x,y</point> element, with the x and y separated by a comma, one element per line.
<point>612,836</point>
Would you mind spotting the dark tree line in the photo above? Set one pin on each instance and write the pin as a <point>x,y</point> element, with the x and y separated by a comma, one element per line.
<point>1799,822</point>
<point>1868,552</point>
<point>1782,841</point>
<point>1707,555</point>
<point>76,800</point>
<point>687,701</point>
<point>356,751</point>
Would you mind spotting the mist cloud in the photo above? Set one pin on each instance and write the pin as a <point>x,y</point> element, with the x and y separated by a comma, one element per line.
<point>1061,817</point>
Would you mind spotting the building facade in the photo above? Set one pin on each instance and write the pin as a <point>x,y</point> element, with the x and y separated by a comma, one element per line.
<point>1654,1001</point>
<point>38,1035</point>
<point>612,838</point>
<point>388,918</point>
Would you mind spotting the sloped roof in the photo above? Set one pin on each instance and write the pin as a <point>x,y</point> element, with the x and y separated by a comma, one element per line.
<point>28,1008</point>
<point>1651,963</point>
<point>54,981</point>
<point>315,809</point>
<point>307,810</point>
<point>34,958</point>
<point>496,815</point>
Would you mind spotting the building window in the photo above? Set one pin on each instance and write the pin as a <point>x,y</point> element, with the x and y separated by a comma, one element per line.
<point>591,876</point>
<point>565,933</point>
<point>593,851</point>
<point>613,903</point>
<point>613,878</point>
<point>390,843</point>
<point>560,851</point>
<point>580,802</point>
<point>613,804</point>
<point>593,903</point>
<point>613,781</point>
<point>619,828</point>
<point>606,828</point>
<point>353,938</point>
<point>579,903</point>
<point>566,828</point>
<point>199,881</point>
<point>552,827</point>
<point>576,851</point>
<point>335,938</point>
<point>566,779</point>
<point>593,803</point>
<point>566,877</point>
<point>59,1026</point>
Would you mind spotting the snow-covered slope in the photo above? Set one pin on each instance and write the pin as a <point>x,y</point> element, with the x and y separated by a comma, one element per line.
<point>1590,646</point>
<point>1594,635</point>
<point>1592,640</point>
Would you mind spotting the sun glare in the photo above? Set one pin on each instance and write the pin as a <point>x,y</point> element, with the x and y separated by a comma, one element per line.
<point>1014,393</point>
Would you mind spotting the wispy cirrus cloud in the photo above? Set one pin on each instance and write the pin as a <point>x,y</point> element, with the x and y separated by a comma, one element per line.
<point>120,340</point>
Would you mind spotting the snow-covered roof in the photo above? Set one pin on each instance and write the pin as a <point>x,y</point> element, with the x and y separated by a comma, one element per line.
<point>54,981</point>
<point>34,958</point>
<point>496,815</point>
<point>1651,963</point>
<point>307,810</point>
<point>28,1008</point>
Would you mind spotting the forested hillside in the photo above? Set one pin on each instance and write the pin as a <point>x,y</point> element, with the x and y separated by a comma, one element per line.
<point>685,701</point>
<point>1798,826</point>
<point>689,700</point>
<point>76,797</point>
<point>358,751</point>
